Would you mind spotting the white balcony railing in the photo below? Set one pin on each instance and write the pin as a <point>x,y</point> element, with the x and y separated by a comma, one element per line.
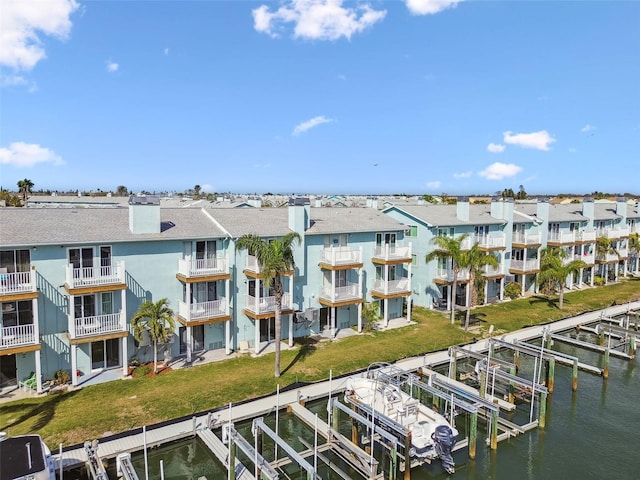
<point>253,264</point>
<point>623,252</point>
<point>341,255</point>
<point>490,271</point>
<point>387,287</point>
<point>267,304</point>
<point>95,276</point>
<point>589,258</point>
<point>340,294</point>
<point>97,325</point>
<point>18,336</point>
<point>491,241</point>
<point>613,233</point>
<point>525,265</point>
<point>562,237</point>
<point>586,236</point>
<point>389,252</point>
<point>198,311</point>
<point>526,238</point>
<point>17,282</point>
<point>446,274</point>
<point>203,266</point>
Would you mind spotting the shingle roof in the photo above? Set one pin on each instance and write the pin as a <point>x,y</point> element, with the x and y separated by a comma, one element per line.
<point>47,226</point>
<point>445,215</point>
<point>351,220</point>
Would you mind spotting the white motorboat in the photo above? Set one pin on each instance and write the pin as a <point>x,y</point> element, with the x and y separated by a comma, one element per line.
<point>432,436</point>
<point>25,457</point>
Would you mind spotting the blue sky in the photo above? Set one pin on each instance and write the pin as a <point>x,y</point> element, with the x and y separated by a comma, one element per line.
<point>321,96</point>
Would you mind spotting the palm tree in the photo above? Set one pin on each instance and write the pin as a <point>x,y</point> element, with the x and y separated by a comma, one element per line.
<point>156,318</point>
<point>450,249</point>
<point>605,246</point>
<point>24,188</point>
<point>554,270</point>
<point>275,258</point>
<point>473,260</point>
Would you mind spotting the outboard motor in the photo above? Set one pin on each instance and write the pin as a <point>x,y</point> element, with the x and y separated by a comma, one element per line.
<point>444,441</point>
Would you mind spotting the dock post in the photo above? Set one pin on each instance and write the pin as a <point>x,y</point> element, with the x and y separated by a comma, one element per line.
<point>393,464</point>
<point>473,434</point>
<point>543,410</point>
<point>574,379</point>
<point>632,346</point>
<point>605,370</point>
<point>335,418</point>
<point>453,364</point>
<point>516,360</point>
<point>483,383</point>
<point>407,457</point>
<point>601,338</point>
<point>354,432</point>
<point>494,430</point>
<point>232,460</point>
<point>512,399</point>
<point>551,367</point>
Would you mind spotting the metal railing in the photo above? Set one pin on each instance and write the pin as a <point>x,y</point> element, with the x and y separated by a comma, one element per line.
<point>491,241</point>
<point>17,336</point>
<point>203,266</point>
<point>446,274</point>
<point>17,282</point>
<point>525,265</point>
<point>392,252</point>
<point>200,310</point>
<point>526,238</point>
<point>95,276</point>
<point>260,305</point>
<point>346,292</point>
<point>392,286</point>
<point>97,325</point>
<point>341,255</point>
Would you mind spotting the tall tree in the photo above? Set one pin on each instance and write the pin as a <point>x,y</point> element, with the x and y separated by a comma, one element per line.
<point>156,318</point>
<point>275,258</point>
<point>122,191</point>
<point>474,260</point>
<point>449,249</point>
<point>24,188</point>
<point>634,249</point>
<point>554,270</point>
<point>605,246</point>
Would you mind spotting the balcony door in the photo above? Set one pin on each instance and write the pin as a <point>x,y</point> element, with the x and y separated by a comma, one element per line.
<point>205,254</point>
<point>82,261</point>
<point>15,260</point>
<point>197,339</point>
<point>267,329</point>
<point>8,371</point>
<point>105,354</point>
<point>383,239</point>
<point>84,306</point>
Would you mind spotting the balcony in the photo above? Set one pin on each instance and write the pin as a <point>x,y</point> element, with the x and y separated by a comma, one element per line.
<point>613,233</point>
<point>204,312</point>
<point>531,265</point>
<point>95,278</point>
<point>445,275</point>
<point>608,258</point>
<point>392,254</point>
<point>203,267</point>
<point>347,294</point>
<point>391,288</point>
<point>586,236</point>
<point>589,258</point>
<point>17,283</point>
<point>623,252</point>
<point>491,242</point>
<point>561,238</point>
<point>266,306</point>
<point>18,336</point>
<point>526,239</point>
<point>489,271</point>
<point>341,256</point>
<point>97,325</point>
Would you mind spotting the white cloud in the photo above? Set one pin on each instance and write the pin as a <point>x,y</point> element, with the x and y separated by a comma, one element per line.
<point>342,77</point>
<point>495,148</point>
<point>309,124</point>
<point>316,19</point>
<point>429,7</point>
<point>166,51</point>
<point>498,171</point>
<point>573,150</point>
<point>20,154</point>
<point>463,174</point>
<point>587,128</point>
<point>7,81</point>
<point>434,185</point>
<point>22,24</point>
<point>538,140</point>
<point>112,67</point>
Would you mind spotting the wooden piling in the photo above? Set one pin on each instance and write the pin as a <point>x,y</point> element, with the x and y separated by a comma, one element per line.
<point>632,346</point>
<point>454,361</point>
<point>494,430</point>
<point>393,464</point>
<point>605,370</point>
<point>512,397</point>
<point>543,411</point>
<point>473,434</point>
<point>231,467</point>
<point>516,360</point>
<point>574,376</point>
<point>551,367</point>
<point>407,457</point>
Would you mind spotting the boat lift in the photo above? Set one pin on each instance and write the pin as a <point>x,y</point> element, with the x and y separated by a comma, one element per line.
<point>234,439</point>
<point>94,463</point>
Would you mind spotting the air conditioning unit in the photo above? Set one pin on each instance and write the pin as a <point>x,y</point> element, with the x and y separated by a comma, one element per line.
<point>299,317</point>
<point>312,314</point>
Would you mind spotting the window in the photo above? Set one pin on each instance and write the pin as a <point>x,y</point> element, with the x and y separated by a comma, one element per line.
<point>385,239</point>
<point>81,257</point>
<point>106,302</point>
<point>413,231</point>
<point>414,259</point>
<point>446,232</point>
<point>17,313</point>
<point>15,260</point>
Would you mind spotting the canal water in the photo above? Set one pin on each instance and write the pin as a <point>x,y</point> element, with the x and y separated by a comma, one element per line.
<point>593,433</point>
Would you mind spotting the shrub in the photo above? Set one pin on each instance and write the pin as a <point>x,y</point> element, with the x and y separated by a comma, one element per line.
<point>141,371</point>
<point>61,377</point>
<point>598,281</point>
<point>513,290</point>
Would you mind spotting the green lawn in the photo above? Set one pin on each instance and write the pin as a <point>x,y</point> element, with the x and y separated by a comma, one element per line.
<point>90,412</point>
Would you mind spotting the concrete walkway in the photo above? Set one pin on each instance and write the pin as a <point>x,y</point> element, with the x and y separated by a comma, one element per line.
<point>112,446</point>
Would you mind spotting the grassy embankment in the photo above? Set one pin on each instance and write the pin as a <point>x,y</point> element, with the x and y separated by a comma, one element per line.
<point>90,412</point>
